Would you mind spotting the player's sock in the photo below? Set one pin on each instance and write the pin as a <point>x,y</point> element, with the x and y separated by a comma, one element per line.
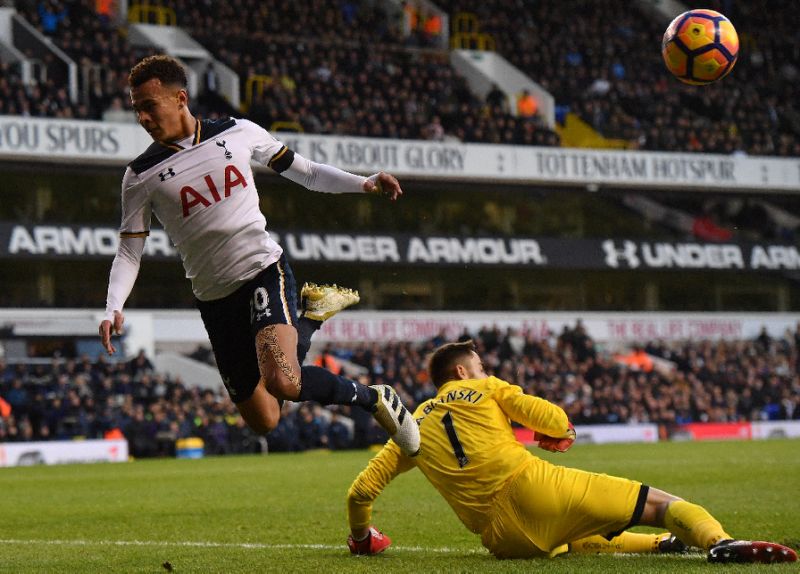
<point>631,542</point>
<point>693,524</point>
<point>305,330</point>
<point>322,386</point>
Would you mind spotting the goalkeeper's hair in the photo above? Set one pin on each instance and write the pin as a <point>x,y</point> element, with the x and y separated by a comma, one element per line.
<point>162,67</point>
<point>443,361</point>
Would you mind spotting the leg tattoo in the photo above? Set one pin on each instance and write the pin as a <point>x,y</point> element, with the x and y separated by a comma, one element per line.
<point>267,347</point>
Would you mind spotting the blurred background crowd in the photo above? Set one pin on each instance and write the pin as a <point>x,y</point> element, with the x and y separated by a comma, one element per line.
<point>667,384</point>
<point>361,67</point>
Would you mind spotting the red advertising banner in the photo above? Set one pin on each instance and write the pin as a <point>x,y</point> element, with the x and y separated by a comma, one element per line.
<point>719,431</point>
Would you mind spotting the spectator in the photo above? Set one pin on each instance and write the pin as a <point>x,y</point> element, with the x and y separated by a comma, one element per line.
<point>338,434</point>
<point>434,130</point>
<point>527,106</point>
<point>51,15</point>
<point>497,99</point>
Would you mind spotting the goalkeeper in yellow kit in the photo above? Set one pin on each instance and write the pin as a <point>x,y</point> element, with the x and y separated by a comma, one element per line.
<point>520,505</point>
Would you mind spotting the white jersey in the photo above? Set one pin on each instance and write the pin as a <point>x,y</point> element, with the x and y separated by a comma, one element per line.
<point>205,197</point>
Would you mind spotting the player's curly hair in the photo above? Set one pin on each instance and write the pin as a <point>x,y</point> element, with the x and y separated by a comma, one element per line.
<point>443,360</point>
<point>165,68</point>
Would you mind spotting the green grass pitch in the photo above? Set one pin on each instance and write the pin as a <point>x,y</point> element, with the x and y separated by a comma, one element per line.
<point>286,513</point>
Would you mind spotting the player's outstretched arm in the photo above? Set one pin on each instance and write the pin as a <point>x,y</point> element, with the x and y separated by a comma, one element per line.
<point>124,271</point>
<point>368,485</point>
<point>328,179</point>
<point>321,177</point>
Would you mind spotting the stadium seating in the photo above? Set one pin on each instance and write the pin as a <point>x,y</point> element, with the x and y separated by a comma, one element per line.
<point>694,381</point>
<point>349,69</point>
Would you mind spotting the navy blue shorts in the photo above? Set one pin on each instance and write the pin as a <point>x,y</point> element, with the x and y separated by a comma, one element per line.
<point>232,323</point>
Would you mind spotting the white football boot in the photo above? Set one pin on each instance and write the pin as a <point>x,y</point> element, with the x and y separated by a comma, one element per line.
<point>396,420</point>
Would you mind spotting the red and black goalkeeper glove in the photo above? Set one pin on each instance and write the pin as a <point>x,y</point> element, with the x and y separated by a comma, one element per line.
<point>375,543</point>
<point>555,444</point>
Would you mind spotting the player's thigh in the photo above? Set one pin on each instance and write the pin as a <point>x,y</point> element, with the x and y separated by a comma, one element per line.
<point>233,322</point>
<point>554,505</point>
<point>276,348</point>
<point>273,302</point>
<point>227,322</point>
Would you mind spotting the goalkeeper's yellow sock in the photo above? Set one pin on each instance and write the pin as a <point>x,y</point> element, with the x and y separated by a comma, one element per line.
<point>631,542</point>
<point>693,525</point>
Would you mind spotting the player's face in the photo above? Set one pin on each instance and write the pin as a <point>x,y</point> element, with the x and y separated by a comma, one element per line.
<point>159,109</point>
<point>474,367</point>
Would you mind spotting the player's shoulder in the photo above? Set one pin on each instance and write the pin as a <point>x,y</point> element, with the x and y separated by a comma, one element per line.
<point>152,156</point>
<point>492,383</point>
<point>246,125</point>
<point>213,128</point>
<point>158,152</point>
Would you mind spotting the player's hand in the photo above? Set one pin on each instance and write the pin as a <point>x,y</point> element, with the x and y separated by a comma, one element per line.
<point>107,328</point>
<point>375,543</point>
<point>385,184</point>
<point>553,444</point>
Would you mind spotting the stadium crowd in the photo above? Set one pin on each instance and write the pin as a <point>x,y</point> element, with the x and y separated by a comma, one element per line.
<point>343,70</point>
<point>668,384</point>
<point>350,67</point>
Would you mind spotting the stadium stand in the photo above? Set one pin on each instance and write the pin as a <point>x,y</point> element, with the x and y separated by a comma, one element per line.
<point>349,69</point>
<point>44,99</point>
<point>690,381</point>
<point>317,70</point>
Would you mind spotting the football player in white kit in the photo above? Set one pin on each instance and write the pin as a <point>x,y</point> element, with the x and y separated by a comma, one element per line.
<point>196,178</point>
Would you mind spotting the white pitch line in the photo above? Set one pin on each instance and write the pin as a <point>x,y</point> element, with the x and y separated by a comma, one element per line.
<point>263,546</point>
<point>249,545</point>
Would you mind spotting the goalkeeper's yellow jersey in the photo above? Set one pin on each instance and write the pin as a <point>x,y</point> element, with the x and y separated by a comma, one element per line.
<point>468,448</point>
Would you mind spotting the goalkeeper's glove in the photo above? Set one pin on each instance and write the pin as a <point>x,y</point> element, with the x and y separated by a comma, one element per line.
<point>375,543</point>
<point>555,444</point>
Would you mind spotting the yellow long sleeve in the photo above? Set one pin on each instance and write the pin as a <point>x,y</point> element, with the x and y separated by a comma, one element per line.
<point>533,412</point>
<point>380,471</point>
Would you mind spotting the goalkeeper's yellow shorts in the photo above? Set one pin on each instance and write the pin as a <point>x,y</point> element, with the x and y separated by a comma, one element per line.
<point>546,506</point>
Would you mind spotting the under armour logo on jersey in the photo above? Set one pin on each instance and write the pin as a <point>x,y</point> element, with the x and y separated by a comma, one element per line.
<point>221,143</point>
<point>165,175</point>
<point>615,256</point>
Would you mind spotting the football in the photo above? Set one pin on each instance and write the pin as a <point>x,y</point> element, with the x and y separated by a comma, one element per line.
<point>700,47</point>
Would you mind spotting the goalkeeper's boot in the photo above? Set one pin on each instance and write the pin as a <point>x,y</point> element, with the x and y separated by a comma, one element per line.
<point>729,551</point>
<point>321,302</point>
<point>671,544</point>
<point>396,420</point>
<point>375,543</point>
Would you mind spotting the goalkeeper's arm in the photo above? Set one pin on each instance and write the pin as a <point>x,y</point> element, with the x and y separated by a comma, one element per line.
<point>380,471</point>
<point>550,424</point>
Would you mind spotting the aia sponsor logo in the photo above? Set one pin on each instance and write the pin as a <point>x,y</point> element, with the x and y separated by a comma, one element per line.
<point>192,198</point>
